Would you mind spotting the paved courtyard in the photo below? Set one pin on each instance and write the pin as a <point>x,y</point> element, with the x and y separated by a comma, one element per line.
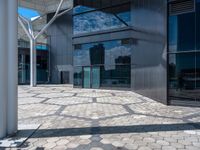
<point>88,119</point>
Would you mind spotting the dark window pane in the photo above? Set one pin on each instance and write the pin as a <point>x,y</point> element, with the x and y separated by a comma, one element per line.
<point>97,53</point>
<point>198,25</point>
<point>197,93</point>
<point>120,76</point>
<point>105,77</point>
<point>78,76</point>
<point>182,32</point>
<point>182,76</point>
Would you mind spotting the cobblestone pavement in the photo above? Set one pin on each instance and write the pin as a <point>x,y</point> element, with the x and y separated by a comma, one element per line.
<point>88,119</point>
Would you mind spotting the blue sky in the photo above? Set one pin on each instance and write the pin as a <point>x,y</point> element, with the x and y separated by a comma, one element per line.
<point>28,13</point>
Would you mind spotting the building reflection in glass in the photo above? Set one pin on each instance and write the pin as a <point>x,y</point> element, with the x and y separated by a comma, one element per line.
<point>90,19</point>
<point>184,55</point>
<point>113,59</point>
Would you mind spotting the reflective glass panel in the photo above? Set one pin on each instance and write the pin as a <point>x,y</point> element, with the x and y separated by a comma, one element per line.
<point>197,93</point>
<point>103,19</point>
<point>182,32</point>
<point>86,77</point>
<point>78,76</point>
<point>182,76</point>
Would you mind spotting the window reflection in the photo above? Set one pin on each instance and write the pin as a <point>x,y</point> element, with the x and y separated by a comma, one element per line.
<point>184,55</point>
<point>118,77</point>
<point>78,76</point>
<point>104,19</point>
<point>81,9</point>
<point>198,76</point>
<point>105,53</point>
<point>182,32</point>
<point>182,78</point>
<point>113,58</point>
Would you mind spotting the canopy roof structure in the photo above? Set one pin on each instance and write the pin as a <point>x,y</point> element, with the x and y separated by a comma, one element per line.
<point>42,7</point>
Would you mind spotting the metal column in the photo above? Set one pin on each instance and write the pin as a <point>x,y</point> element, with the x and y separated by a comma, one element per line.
<point>23,65</point>
<point>33,63</point>
<point>8,67</point>
<point>3,68</point>
<point>12,117</point>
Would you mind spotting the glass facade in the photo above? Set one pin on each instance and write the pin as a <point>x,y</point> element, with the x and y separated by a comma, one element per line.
<point>108,64</point>
<point>184,55</point>
<point>89,17</point>
<point>24,68</point>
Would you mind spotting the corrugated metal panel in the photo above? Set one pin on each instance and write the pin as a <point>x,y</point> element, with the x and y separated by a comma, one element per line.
<point>181,6</point>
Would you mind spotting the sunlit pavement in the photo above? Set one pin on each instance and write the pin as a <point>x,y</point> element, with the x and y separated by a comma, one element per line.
<point>87,119</point>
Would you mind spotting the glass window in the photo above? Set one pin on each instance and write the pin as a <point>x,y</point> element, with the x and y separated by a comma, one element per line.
<point>182,76</point>
<point>97,53</point>
<point>198,25</point>
<point>197,93</point>
<point>108,53</point>
<point>78,76</point>
<point>105,77</point>
<point>182,32</point>
<point>103,19</point>
<point>113,58</point>
<point>82,56</point>
<point>81,9</point>
<point>117,53</point>
<point>120,76</point>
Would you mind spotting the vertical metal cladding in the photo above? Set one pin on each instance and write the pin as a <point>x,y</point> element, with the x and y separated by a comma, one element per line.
<point>149,57</point>
<point>61,52</point>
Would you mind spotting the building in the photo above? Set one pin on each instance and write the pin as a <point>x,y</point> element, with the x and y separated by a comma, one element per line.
<point>139,45</point>
<point>148,46</point>
<point>24,63</point>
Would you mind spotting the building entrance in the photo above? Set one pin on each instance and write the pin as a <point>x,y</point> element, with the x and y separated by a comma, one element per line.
<point>91,77</point>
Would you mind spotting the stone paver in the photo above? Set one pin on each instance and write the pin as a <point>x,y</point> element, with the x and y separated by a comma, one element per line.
<point>88,119</point>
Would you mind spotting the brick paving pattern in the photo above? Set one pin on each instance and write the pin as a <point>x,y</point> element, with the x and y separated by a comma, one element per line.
<point>88,119</point>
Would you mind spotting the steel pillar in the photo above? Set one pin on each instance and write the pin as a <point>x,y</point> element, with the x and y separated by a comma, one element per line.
<point>8,67</point>
<point>12,115</point>
<point>23,65</point>
<point>3,68</point>
<point>33,63</point>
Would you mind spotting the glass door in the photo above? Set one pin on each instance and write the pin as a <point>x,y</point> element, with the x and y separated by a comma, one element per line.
<point>96,77</point>
<point>86,77</point>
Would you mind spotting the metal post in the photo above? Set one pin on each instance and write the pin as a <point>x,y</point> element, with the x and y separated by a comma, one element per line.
<point>3,68</point>
<point>33,63</point>
<point>23,64</point>
<point>12,117</point>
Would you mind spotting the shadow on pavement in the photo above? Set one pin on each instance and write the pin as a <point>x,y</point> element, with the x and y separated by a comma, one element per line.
<point>61,132</point>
